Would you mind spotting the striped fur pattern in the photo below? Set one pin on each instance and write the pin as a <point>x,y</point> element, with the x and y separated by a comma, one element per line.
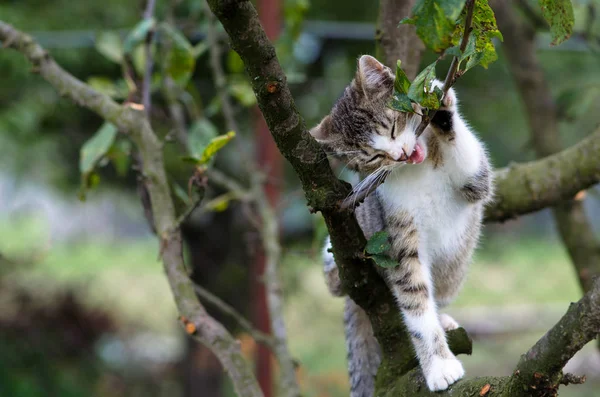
<point>432,209</point>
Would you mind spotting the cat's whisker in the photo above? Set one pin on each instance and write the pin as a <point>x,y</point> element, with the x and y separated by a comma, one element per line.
<point>366,184</point>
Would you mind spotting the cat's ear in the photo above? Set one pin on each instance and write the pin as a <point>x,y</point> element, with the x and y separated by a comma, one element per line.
<point>323,132</point>
<point>372,76</point>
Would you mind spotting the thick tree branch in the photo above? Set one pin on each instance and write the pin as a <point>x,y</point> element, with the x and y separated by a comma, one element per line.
<point>573,225</point>
<point>543,363</point>
<point>197,321</point>
<point>529,187</point>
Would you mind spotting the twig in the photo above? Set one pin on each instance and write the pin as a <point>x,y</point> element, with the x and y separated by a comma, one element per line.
<point>146,84</point>
<point>571,379</point>
<point>198,323</point>
<point>226,182</point>
<point>220,304</point>
<point>359,196</point>
<point>270,239</point>
<point>268,229</point>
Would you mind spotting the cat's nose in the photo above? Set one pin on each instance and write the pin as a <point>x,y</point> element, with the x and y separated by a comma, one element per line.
<point>398,155</point>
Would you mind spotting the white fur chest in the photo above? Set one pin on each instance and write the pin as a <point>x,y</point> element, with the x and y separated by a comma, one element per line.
<point>440,214</point>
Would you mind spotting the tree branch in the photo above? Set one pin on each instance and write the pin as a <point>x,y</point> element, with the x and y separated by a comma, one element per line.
<point>532,186</point>
<point>539,371</point>
<point>269,232</point>
<point>217,302</point>
<point>197,321</point>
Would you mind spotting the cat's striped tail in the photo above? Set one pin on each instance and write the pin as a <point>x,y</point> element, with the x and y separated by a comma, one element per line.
<point>364,353</point>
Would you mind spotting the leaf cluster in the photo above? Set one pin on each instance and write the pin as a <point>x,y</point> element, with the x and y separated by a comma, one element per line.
<point>440,24</point>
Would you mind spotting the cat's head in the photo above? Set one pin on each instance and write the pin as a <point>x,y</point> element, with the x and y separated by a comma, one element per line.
<point>369,136</point>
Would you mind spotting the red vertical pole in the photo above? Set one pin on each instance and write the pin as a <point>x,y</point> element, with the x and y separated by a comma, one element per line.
<point>270,162</point>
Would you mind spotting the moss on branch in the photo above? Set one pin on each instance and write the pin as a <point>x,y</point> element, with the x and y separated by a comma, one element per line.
<point>532,186</point>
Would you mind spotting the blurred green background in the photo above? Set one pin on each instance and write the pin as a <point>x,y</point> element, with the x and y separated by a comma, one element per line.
<point>85,309</point>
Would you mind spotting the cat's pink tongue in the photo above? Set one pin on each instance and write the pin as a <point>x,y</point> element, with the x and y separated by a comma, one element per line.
<point>417,156</point>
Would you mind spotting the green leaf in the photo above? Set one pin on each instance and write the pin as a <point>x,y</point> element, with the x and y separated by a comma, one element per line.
<point>435,21</point>
<point>97,147</point>
<point>116,90</point>
<point>241,90</point>
<point>138,58</point>
<point>453,51</point>
<point>234,62</point>
<point>138,34</point>
<point>119,155</point>
<point>181,194</point>
<point>219,203</point>
<point>92,152</point>
<point>214,146</point>
<point>109,44</point>
<point>422,83</point>
<point>378,243</point>
<point>401,83</point>
<point>401,102</point>
<point>199,136</point>
<point>480,47</point>
<point>180,60</point>
<point>559,15</point>
<point>421,90</point>
<point>432,99</point>
<point>384,261</point>
<point>470,49</point>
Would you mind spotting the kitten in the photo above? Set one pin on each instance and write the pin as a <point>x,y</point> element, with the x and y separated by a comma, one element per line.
<point>431,205</point>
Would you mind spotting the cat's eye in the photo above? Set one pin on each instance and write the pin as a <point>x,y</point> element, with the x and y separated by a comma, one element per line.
<point>376,157</point>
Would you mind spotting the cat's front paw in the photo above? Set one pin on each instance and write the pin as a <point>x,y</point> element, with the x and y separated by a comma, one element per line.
<point>448,323</point>
<point>443,372</point>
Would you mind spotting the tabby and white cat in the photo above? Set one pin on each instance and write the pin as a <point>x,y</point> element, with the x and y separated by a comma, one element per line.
<point>431,205</point>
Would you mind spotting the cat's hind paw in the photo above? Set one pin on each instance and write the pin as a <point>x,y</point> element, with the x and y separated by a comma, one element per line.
<point>443,372</point>
<point>448,323</point>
